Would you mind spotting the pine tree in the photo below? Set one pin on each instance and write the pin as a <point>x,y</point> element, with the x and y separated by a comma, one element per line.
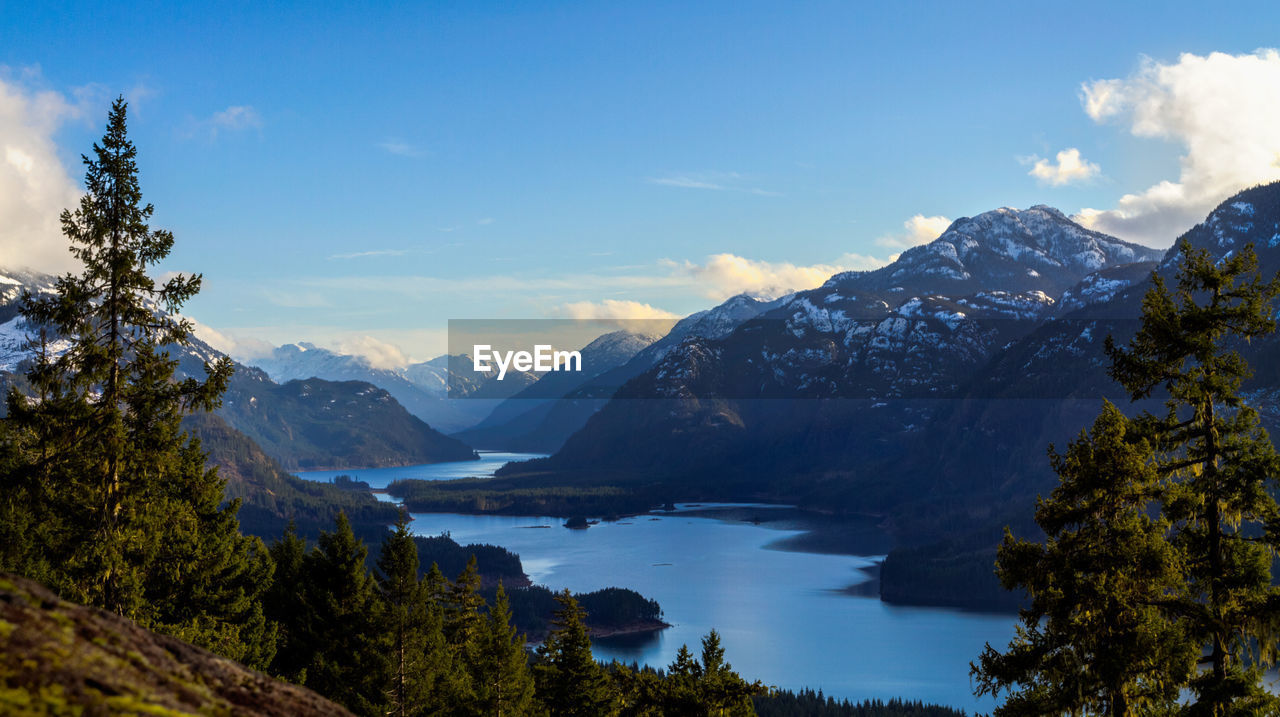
<point>570,682</point>
<point>1093,639</point>
<point>130,519</point>
<point>406,617</point>
<point>721,691</point>
<point>1218,461</point>
<point>498,665</point>
<point>348,662</point>
<point>285,606</point>
<point>462,604</point>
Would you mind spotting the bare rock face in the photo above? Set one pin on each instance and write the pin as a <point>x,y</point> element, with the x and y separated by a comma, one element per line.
<point>61,658</point>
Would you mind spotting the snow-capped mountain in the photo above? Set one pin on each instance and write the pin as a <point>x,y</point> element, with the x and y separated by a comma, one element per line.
<point>429,390</point>
<point>918,328</point>
<point>520,422</point>
<point>301,424</point>
<point>1017,251</point>
<point>547,429</point>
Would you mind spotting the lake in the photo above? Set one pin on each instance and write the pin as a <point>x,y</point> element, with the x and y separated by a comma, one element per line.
<point>787,618</point>
<point>489,462</point>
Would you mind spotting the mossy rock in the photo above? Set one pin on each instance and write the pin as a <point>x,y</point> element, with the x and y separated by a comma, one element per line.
<point>57,658</point>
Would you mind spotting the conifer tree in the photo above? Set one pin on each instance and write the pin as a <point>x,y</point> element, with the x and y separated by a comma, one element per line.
<point>677,694</point>
<point>1219,464</point>
<point>721,690</point>
<point>406,620</point>
<point>348,660</point>
<point>129,517</point>
<point>497,663</point>
<point>285,606</point>
<point>1093,638</point>
<point>570,682</point>
<point>462,605</point>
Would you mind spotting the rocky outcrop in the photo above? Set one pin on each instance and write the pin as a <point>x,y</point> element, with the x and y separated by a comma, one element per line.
<point>60,658</point>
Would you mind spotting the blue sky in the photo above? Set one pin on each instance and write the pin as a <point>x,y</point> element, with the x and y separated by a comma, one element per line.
<point>355,176</point>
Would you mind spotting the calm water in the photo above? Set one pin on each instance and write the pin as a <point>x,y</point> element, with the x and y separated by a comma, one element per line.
<point>489,462</point>
<point>786,617</point>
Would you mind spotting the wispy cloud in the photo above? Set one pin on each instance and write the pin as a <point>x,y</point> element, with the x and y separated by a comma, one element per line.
<point>233,119</point>
<point>1067,168</point>
<point>296,299</point>
<point>401,148</point>
<point>374,252</point>
<point>713,181</point>
<point>718,276</point>
<point>486,221</point>
<point>1220,108</point>
<point>236,117</point>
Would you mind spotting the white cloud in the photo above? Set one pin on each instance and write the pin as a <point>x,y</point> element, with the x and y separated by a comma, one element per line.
<point>379,354</point>
<point>919,229</point>
<point>863,262</point>
<point>1221,109</point>
<point>612,309</point>
<point>1069,167</point>
<point>34,186</point>
<point>725,275</point>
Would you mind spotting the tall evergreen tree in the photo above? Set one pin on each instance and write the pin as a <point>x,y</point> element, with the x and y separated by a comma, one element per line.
<point>570,682</point>
<point>406,616</point>
<point>285,606</point>
<point>1219,463</point>
<point>497,663</point>
<point>721,690</point>
<point>348,660</point>
<point>1093,638</point>
<point>462,604</point>
<point>130,519</point>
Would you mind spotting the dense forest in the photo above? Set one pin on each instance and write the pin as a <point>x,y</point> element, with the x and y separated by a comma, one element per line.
<point>808,703</point>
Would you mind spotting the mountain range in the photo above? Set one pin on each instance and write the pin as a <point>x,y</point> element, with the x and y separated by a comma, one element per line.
<point>429,390</point>
<point>923,393</point>
<point>934,387</point>
<point>301,424</point>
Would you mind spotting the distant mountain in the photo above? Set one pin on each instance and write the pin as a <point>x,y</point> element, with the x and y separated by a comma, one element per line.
<point>422,388</point>
<point>521,421</point>
<point>316,424</point>
<point>301,424</point>
<point>568,414</point>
